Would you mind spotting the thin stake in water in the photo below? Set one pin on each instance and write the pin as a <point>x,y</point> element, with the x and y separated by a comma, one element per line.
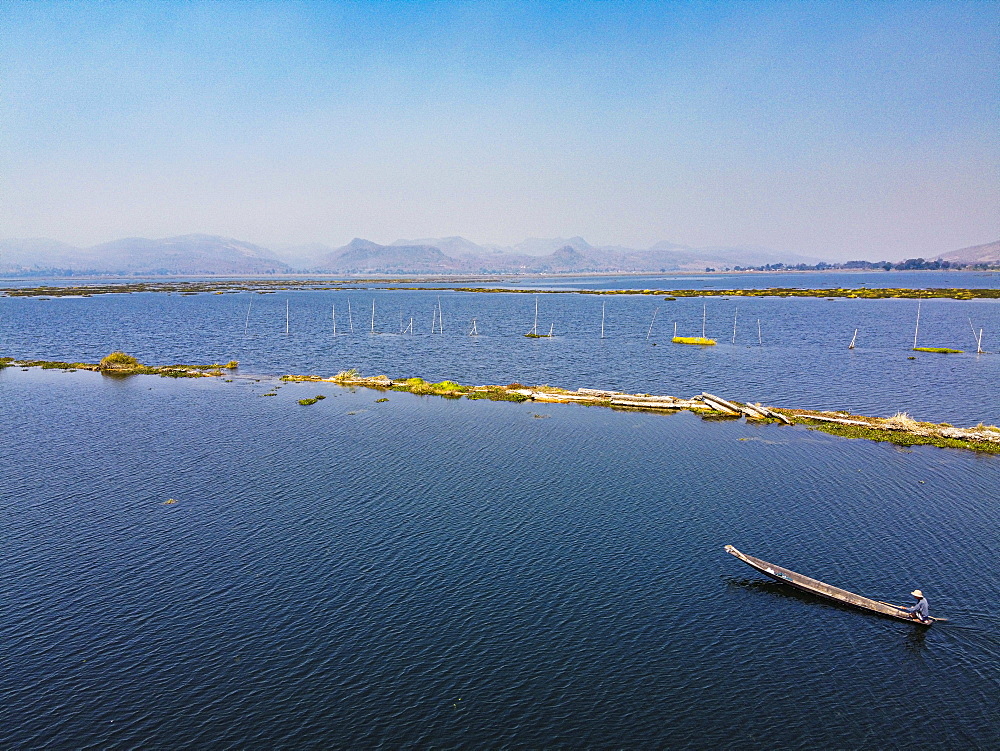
<point>655,311</point>
<point>440,316</point>
<point>916,330</point>
<point>759,340</point>
<point>853,338</point>
<point>734,323</point>
<point>475,331</point>
<point>602,319</point>
<point>373,315</point>
<point>286,316</point>
<point>979,339</point>
<point>704,311</point>
<point>350,320</point>
<point>333,315</point>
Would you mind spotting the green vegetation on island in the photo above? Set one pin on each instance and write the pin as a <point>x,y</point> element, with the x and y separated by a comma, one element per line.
<point>122,364</point>
<point>899,429</point>
<point>269,286</point>
<point>942,350</point>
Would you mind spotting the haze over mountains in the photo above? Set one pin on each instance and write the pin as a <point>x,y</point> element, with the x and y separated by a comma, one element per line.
<point>212,255</point>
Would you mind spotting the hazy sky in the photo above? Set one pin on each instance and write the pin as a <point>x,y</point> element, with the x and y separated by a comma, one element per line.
<point>843,130</point>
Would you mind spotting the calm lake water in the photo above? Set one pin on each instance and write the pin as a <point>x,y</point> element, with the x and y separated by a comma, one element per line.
<point>430,573</point>
<point>787,352</point>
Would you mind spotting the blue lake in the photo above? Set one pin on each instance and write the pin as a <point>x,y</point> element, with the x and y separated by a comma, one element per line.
<point>787,352</point>
<point>430,573</point>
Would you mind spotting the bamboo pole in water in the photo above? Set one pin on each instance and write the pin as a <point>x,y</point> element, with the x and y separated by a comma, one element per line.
<point>440,316</point>
<point>734,323</point>
<point>373,315</point>
<point>286,316</point>
<point>333,315</point>
<point>350,320</point>
<point>916,329</point>
<point>603,304</point>
<point>759,340</point>
<point>704,313</point>
<point>853,339</point>
<point>655,311</point>
<point>979,338</point>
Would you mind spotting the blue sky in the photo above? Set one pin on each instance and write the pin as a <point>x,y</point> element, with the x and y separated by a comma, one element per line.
<point>842,130</point>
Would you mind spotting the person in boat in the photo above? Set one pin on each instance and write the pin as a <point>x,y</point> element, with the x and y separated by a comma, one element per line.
<point>919,611</point>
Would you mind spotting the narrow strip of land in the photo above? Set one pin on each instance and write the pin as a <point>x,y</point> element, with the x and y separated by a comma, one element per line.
<point>268,286</point>
<point>899,429</point>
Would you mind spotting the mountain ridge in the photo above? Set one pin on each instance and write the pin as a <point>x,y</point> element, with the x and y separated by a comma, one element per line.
<point>203,254</point>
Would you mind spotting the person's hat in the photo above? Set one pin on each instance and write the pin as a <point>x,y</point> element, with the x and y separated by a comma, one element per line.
<point>917,593</point>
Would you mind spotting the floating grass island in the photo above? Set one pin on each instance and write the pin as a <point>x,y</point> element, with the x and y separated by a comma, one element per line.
<point>269,286</point>
<point>942,350</point>
<point>704,341</point>
<point>900,429</point>
<point>122,364</point>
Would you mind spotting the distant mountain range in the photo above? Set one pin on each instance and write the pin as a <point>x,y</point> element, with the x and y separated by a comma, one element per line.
<point>188,254</point>
<point>212,255</point>
<point>988,253</point>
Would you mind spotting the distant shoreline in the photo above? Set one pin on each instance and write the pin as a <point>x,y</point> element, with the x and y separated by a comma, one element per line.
<point>266,286</point>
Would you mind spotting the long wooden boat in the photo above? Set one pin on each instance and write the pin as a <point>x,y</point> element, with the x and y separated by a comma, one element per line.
<point>825,590</point>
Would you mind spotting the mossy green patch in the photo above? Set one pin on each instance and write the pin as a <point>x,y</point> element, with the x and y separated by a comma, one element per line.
<point>942,350</point>
<point>902,438</point>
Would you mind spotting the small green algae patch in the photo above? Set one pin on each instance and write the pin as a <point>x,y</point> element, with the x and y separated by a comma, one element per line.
<point>942,350</point>
<point>701,340</point>
<point>120,364</point>
<point>903,438</point>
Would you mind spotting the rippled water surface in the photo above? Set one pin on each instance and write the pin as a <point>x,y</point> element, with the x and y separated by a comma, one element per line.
<point>429,573</point>
<point>785,352</point>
